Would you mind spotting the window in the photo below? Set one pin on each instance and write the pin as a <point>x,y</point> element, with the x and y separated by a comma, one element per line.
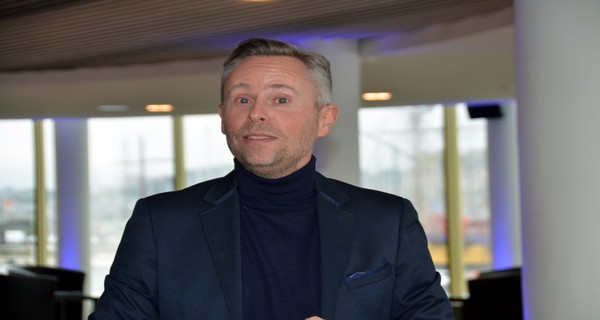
<point>206,153</point>
<point>50,177</point>
<point>129,158</point>
<point>402,152</point>
<point>472,145</point>
<point>17,194</point>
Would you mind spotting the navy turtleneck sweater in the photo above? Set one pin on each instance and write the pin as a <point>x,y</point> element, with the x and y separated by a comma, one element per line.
<point>281,275</point>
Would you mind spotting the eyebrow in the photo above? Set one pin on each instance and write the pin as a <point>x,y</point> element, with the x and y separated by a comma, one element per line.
<point>244,85</point>
<point>283,86</point>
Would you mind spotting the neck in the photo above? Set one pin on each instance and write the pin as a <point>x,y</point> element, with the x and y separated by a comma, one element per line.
<point>268,172</point>
<point>297,184</point>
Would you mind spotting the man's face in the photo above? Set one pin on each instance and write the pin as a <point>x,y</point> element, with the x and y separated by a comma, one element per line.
<point>269,117</point>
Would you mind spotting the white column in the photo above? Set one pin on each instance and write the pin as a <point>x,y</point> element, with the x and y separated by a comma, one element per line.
<point>72,193</point>
<point>504,189</point>
<point>558,85</point>
<point>337,154</point>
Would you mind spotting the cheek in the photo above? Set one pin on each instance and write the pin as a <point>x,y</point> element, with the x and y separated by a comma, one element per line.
<point>229,123</point>
<point>306,130</point>
<point>227,128</point>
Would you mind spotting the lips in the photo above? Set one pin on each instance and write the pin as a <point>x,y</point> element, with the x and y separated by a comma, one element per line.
<point>258,136</point>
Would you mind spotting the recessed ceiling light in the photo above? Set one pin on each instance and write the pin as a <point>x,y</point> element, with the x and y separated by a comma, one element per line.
<point>376,96</point>
<point>113,108</point>
<point>159,108</point>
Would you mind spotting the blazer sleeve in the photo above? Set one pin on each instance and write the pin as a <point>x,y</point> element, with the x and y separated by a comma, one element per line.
<point>417,290</point>
<point>130,289</point>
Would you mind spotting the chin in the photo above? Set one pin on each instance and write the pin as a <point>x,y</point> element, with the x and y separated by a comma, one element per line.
<point>257,161</point>
<point>259,165</point>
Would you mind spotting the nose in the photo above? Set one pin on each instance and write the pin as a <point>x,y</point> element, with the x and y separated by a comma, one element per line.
<point>258,113</point>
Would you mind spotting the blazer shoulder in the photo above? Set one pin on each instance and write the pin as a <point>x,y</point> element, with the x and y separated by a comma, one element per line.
<point>349,195</point>
<point>209,192</point>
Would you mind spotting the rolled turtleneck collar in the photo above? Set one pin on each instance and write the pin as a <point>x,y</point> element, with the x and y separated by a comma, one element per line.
<point>298,185</point>
<point>280,244</point>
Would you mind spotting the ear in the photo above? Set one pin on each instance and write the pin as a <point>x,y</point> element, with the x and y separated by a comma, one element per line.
<point>327,118</point>
<point>220,109</point>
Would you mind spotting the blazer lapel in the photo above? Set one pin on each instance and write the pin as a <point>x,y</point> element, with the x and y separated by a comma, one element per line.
<point>222,229</point>
<point>336,231</point>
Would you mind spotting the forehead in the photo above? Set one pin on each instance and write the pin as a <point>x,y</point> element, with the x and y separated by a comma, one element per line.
<point>269,68</point>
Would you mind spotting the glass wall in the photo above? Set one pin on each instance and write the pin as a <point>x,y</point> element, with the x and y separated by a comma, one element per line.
<point>50,177</point>
<point>402,152</point>
<point>472,145</point>
<point>17,194</point>
<point>205,148</point>
<point>129,158</point>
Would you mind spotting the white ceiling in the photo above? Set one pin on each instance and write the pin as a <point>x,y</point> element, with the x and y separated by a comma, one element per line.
<point>63,58</point>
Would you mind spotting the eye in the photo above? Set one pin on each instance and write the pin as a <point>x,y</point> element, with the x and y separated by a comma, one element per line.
<point>244,100</point>
<point>282,100</point>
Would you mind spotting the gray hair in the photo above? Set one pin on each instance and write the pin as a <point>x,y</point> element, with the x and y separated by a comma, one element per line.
<point>318,66</point>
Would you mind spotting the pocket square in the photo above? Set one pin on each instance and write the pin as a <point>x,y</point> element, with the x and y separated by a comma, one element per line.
<point>361,278</point>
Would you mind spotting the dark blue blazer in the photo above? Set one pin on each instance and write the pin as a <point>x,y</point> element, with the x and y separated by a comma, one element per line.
<point>179,257</point>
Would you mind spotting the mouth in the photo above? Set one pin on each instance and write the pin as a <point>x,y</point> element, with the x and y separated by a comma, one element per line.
<point>256,137</point>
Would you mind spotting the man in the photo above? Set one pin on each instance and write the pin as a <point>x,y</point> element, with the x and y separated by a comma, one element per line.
<point>274,239</point>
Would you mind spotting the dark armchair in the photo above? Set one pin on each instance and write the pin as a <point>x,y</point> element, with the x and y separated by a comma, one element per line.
<point>495,295</point>
<point>27,297</point>
<point>68,294</point>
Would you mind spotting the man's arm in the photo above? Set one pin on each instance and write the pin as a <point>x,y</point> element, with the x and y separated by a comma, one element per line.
<point>417,293</point>
<point>130,290</point>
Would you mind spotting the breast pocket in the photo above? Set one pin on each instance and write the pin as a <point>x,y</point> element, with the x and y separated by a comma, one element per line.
<point>367,294</point>
<point>366,277</point>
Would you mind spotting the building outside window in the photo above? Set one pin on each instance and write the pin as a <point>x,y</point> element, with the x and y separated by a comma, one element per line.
<point>206,153</point>
<point>402,152</point>
<point>472,144</point>
<point>50,177</point>
<point>17,193</point>
<point>129,158</point>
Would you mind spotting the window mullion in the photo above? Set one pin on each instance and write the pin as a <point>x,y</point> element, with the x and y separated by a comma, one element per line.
<point>453,204</point>
<point>40,193</point>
